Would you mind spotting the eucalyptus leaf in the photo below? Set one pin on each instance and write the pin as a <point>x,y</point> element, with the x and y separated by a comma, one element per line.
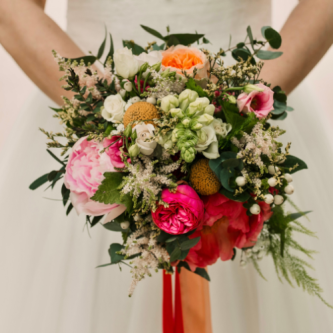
<point>184,39</point>
<point>189,243</point>
<point>136,49</point>
<point>175,255</point>
<point>225,175</point>
<point>239,198</point>
<point>115,257</point>
<point>272,36</point>
<point>241,53</point>
<point>268,55</point>
<point>291,161</point>
<point>202,272</point>
<point>102,47</point>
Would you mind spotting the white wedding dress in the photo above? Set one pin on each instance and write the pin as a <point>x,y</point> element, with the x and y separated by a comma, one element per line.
<point>48,283</point>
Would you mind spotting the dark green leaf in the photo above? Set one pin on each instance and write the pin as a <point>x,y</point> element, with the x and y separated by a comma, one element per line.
<point>55,157</point>
<point>111,52</point>
<point>104,265</point>
<point>280,117</point>
<point>205,40</point>
<point>152,32</point>
<point>96,219</point>
<point>291,161</point>
<point>268,55</point>
<point>183,39</point>
<point>242,54</point>
<point>86,59</point>
<point>184,254</point>
<point>225,175</point>
<point>175,254</point>
<point>203,273</point>
<point>249,33</point>
<point>136,49</point>
<point>39,182</point>
<point>169,240</point>
<point>215,164</point>
<point>69,208</point>
<point>295,216</point>
<point>56,110</point>
<point>115,257</point>
<point>102,47</point>
<point>272,36</point>
<point>52,175</point>
<point>189,243</point>
<point>114,226</point>
<point>239,198</point>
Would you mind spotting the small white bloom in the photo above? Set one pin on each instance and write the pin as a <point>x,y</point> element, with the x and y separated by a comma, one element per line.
<point>240,181</point>
<point>278,199</point>
<point>122,93</point>
<point>255,209</point>
<point>152,58</point>
<point>289,189</point>
<point>132,101</point>
<point>221,128</point>
<point>269,199</point>
<point>186,122</point>
<point>198,106</point>
<point>186,97</point>
<point>206,120</point>
<point>272,182</point>
<point>169,102</point>
<point>124,225</point>
<point>210,109</point>
<point>177,113</point>
<point>151,100</point>
<point>128,86</point>
<point>145,133</point>
<point>206,137</point>
<point>273,169</point>
<point>114,107</point>
<point>288,177</point>
<point>120,129</point>
<point>126,63</point>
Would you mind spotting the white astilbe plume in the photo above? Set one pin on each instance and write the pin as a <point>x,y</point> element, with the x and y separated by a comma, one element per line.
<point>150,254</point>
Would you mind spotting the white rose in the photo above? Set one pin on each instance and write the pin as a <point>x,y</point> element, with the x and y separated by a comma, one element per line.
<point>212,151</point>
<point>145,133</point>
<point>206,137</point>
<point>221,128</point>
<point>126,63</point>
<point>114,107</point>
<point>152,58</point>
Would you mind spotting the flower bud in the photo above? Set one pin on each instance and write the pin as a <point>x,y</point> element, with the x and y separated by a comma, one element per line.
<point>251,87</point>
<point>241,181</point>
<point>186,122</point>
<point>128,86</point>
<point>151,100</point>
<point>188,154</point>
<point>176,134</point>
<point>278,199</point>
<point>144,67</point>
<point>210,109</point>
<point>124,225</point>
<point>272,182</point>
<point>135,99</point>
<point>156,67</point>
<point>122,93</point>
<point>177,113</point>
<point>195,126</point>
<point>186,97</point>
<point>288,177</point>
<point>205,119</point>
<point>232,99</point>
<point>169,102</point>
<point>134,150</point>
<point>289,189</point>
<point>255,209</point>
<point>273,169</point>
<point>134,135</point>
<point>269,199</point>
<point>128,131</point>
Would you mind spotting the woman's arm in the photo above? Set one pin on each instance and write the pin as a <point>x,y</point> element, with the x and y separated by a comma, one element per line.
<point>306,36</point>
<point>29,36</point>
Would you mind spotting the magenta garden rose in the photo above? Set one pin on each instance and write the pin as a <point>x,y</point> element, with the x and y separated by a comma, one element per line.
<point>258,100</point>
<point>185,211</point>
<point>84,173</point>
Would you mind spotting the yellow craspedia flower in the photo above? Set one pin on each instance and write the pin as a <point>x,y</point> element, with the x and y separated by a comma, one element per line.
<point>203,179</point>
<point>140,111</point>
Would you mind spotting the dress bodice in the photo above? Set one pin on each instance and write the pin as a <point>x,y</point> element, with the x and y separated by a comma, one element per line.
<point>217,19</point>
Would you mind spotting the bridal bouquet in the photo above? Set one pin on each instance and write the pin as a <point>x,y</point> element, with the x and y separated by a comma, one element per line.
<point>179,153</point>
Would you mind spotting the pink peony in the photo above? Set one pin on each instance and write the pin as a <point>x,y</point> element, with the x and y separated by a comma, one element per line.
<point>84,173</point>
<point>259,102</point>
<point>183,58</point>
<point>185,211</point>
<point>226,226</point>
<point>114,151</point>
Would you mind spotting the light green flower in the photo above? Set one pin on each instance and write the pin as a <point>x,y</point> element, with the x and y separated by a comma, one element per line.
<point>169,102</point>
<point>176,113</point>
<point>198,106</point>
<point>186,97</point>
<point>205,119</point>
<point>210,109</point>
<point>134,150</point>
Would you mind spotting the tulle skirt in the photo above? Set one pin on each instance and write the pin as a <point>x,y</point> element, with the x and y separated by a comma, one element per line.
<point>48,280</point>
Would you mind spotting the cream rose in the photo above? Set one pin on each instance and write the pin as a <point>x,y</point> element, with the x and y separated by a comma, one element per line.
<point>114,107</point>
<point>145,133</point>
<point>152,58</point>
<point>207,143</point>
<point>127,65</point>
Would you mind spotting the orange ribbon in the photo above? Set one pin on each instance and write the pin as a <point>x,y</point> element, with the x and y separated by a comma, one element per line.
<point>192,304</point>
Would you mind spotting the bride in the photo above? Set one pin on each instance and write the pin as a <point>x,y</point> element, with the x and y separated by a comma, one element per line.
<point>48,284</point>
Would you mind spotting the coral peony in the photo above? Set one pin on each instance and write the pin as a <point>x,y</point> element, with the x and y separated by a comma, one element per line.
<point>84,173</point>
<point>185,58</point>
<point>259,102</point>
<point>185,211</point>
<point>226,226</point>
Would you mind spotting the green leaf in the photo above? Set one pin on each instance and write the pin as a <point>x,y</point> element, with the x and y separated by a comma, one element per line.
<point>189,243</point>
<point>205,40</point>
<point>114,226</point>
<point>184,39</point>
<point>239,198</point>
<point>102,47</point>
<point>272,36</point>
<point>55,157</point>
<point>279,107</point>
<point>291,161</point>
<point>289,108</point>
<point>192,84</point>
<point>56,110</point>
<point>225,175</point>
<point>295,216</point>
<point>115,257</point>
<point>111,52</point>
<point>69,209</point>
<point>268,55</point>
<point>184,254</point>
<point>249,33</point>
<point>280,117</point>
<point>214,164</point>
<point>52,175</point>
<point>203,273</point>
<point>241,53</point>
<point>39,182</point>
<point>172,239</point>
<point>86,59</point>
<point>152,32</point>
<point>158,48</point>
<point>136,49</point>
<point>96,219</point>
<point>175,254</point>
<point>108,192</point>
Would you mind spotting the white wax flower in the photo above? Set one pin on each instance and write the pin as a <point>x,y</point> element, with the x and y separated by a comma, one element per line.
<point>114,107</point>
<point>126,63</point>
<point>221,128</point>
<point>152,58</point>
<point>144,133</point>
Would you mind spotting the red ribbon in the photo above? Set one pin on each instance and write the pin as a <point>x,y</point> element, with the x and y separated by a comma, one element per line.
<point>172,317</point>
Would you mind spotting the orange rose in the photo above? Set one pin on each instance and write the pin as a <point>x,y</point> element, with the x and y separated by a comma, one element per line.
<point>185,58</point>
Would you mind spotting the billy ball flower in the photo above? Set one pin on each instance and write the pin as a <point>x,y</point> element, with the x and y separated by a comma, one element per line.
<point>184,213</point>
<point>140,111</point>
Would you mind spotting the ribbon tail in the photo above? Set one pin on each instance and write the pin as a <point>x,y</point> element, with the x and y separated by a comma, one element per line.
<point>168,326</point>
<point>179,325</point>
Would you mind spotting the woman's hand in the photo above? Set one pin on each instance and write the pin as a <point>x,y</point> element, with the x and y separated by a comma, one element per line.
<point>306,36</point>
<point>29,36</point>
